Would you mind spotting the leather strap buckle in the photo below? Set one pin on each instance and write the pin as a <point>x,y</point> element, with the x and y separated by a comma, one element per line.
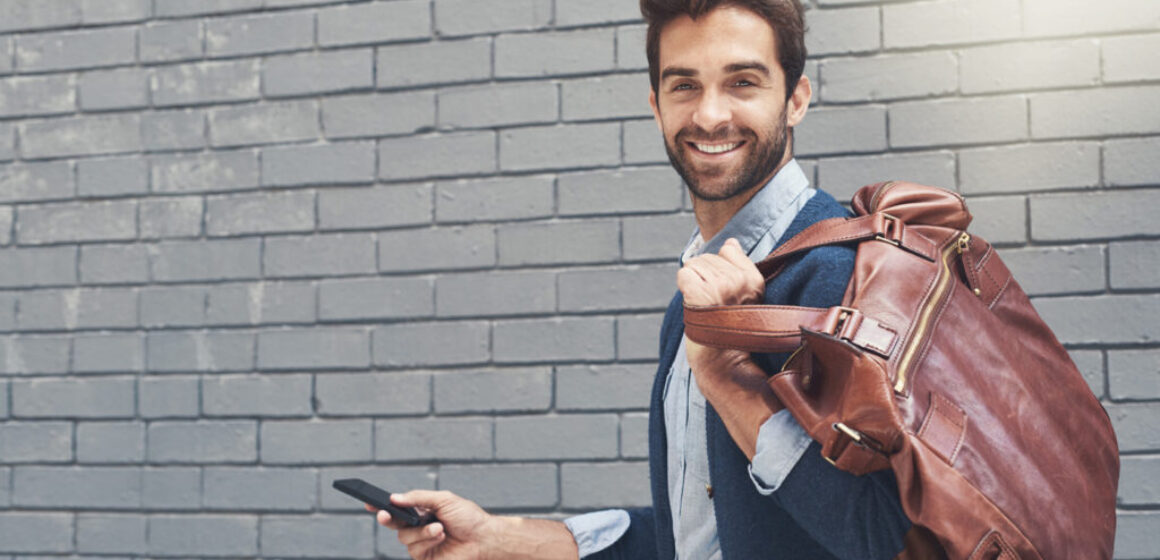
<point>853,326</point>
<point>891,228</point>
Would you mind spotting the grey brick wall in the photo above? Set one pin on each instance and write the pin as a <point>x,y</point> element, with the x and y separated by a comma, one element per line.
<point>250,246</point>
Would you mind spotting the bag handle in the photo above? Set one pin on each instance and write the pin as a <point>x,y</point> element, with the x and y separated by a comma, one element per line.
<point>778,328</point>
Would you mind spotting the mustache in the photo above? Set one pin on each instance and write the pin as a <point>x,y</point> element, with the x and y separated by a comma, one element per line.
<point>723,133</point>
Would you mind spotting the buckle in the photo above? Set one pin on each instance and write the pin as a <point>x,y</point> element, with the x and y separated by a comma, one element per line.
<point>891,229</point>
<point>842,322</point>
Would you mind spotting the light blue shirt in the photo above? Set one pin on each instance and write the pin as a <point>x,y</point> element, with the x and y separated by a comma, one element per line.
<point>780,442</point>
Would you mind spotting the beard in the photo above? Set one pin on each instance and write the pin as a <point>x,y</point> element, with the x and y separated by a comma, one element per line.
<point>718,182</point>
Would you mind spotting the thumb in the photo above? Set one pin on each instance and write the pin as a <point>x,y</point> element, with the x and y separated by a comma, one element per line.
<point>731,251</point>
<point>429,499</point>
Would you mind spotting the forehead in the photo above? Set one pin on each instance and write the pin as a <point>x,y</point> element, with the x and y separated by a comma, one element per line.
<point>721,37</point>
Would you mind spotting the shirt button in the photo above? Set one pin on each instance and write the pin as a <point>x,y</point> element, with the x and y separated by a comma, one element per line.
<point>709,490</point>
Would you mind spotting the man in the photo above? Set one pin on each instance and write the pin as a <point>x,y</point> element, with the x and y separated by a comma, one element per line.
<point>733,475</point>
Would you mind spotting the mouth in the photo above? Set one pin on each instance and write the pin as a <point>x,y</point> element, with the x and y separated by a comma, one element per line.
<point>716,148</point>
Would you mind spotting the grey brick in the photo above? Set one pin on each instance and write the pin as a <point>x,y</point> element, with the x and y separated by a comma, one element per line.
<point>123,88</point>
<point>112,176</point>
<point>843,130</point>
<point>75,308</point>
<point>636,336</point>
<point>205,260</point>
<point>587,241</point>
<point>38,95</point>
<point>4,400</point>
<point>1091,366</point>
<point>173,130</point>
<point>603,485</point>
<point>31,14</point>
<point>1106,214</point>
<point>359,394</point>
<point>423,344</point>
<point>256,395</point>
<point>346,162</point>
<point>110,442</point>
<point>37,266</point>
<point>171,217</point>
<point>329,441</point>
<point>1029,167</point>
<point>1130,162</point>
<point>101,11</point>
<point>199,351</point>
<point>1122,61</point>
<point>233,441</point>
<point>7,141</point>
<point>958,121</point>
<point>470,17</point>
<point>648,189</point>
<point>585,12</point>
<point>1102,319</point>
<point>172,488</point>
<point>170,306</point>
<point>1134,264</point>
<point>165,41</point>
<point>81,136</point>
<point>569,436</point>
<point>7,216</point>
<point>1045,17</point>
<point>630,43</point>
<point>376,298</point>
<point>317,348</point>
<point>614,387</point>
<point>433,63</point>
<point>167,397</point>
<point>887,77</point>
<point>374,207</point>
<point>37,354</point>
<point>36,532</point>
<point>76,49</point>
<point>496,294</point>
<point>288,3</point>
<point>618,96</point>
<point>177,8</point>
<point>395,477</point>
<point>437,155</point>
<point>557,339</point>
<point>378,114</point>
<point>1024,66</point>
<point>1095,112</point>
<point>498,390</point>
<point>286,121</point>
<point>35,181</point>
<point>999,219</point>
<point>301,537</point>
<point>1137,481</point>
<point>553,147</point>
<point>503,486</point>
<point>247,488</point>
<point>434,438</point>
<point>843,176</point>
<point>374,22</point>
<point>554,53</point>
<point>1058,270</point>
<point>438,248</point>
<point>262,303</point>
<point>1134,374</point>
<point>75,487</point>
<point>1134,425</point>
<point>206,82</point>
<point>507,198</point>
<point>320,255</point>
<point>632,287</point>
<point>949,22</point>
<point>498,105</point>
<point>634,436</point>
<point>268,212</point>
<point>218,171</point>
<point>844,31</point>
<point>257,34</point>
<point>109,353</point>
<point>315,72</point>
<point>90,397</point>
<point>82,221</point>
<point>111,533</point>
<point>36,442</point>
<point>203,535</point>
<point>643,142</point>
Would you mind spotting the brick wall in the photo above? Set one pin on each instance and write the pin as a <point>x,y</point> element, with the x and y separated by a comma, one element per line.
<point>250,246</point>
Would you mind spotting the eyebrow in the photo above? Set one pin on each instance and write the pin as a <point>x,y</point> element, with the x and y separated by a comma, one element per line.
<point>681,71</point>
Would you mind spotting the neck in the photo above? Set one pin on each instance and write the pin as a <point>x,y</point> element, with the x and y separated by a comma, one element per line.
<point>712,215</point>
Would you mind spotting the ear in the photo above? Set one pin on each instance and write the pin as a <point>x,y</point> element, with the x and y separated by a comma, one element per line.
<point>652,102</point>
<point>799,101</point>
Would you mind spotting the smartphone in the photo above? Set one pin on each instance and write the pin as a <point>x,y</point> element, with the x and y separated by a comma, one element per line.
<point>370,494</point>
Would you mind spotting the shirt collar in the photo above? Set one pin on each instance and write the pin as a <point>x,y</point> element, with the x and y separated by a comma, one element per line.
<point>754,220</point>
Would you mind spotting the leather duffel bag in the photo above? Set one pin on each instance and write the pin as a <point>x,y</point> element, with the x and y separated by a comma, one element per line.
<point>938,367</point>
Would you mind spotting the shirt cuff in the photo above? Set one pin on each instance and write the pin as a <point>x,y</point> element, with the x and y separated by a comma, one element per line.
<point>781,441</point>
<point>597,531</point>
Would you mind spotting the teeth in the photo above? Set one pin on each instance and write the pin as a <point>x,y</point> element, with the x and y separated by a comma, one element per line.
<point>716,148</point>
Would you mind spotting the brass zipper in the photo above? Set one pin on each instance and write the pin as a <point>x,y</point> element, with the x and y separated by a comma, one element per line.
<point>941,286</point>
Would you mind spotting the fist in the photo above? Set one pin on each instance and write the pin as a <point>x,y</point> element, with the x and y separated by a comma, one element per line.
<point>727,278</point>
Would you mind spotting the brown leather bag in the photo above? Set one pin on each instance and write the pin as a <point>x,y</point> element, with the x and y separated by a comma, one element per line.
<point>937,366</point>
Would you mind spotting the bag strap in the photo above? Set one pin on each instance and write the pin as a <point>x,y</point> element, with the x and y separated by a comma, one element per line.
<point>840,231</point>
<point>778,328</point>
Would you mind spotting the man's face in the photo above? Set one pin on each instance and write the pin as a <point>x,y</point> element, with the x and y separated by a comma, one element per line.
<point>721,102</point>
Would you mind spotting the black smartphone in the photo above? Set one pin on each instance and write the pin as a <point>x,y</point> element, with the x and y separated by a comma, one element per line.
<point>370,494</point>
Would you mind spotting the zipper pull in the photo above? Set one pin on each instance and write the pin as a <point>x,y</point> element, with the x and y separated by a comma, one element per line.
<point>964,243</point>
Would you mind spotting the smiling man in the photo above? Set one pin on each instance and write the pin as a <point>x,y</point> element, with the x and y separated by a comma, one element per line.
<point>733,476</point>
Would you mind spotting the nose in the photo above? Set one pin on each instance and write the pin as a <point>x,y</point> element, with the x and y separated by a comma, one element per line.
<point>712,111</point>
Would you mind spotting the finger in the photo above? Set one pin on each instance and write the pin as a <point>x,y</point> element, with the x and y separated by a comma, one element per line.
<point>733,254</point>
<point>423,498</point>
<point>386,520</point>
<point>411,535</point>
<point>423,548</point>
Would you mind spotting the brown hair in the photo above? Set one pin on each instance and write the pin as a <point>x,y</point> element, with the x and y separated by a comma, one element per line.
<point>784,16</point>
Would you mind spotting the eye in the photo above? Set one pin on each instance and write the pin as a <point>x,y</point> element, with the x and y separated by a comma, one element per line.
<point>743,83</point>
<point>684,86</point>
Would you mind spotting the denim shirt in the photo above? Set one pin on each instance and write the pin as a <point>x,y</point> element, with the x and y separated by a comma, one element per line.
<point>781,441</point>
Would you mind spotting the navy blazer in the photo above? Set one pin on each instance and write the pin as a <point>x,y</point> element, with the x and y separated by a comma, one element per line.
<point>819,512</point>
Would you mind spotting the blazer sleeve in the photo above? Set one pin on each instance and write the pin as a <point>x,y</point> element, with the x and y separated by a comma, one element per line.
<point>637,543</point>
